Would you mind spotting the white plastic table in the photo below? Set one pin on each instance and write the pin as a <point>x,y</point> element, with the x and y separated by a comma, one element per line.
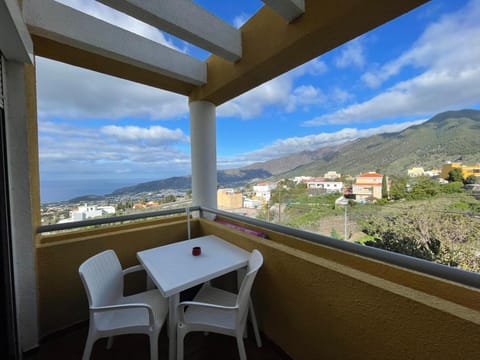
<point>173,269</point>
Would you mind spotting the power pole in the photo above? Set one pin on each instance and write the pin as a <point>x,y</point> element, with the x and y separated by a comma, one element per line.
<point>279,204</point>
<point>345,224</point>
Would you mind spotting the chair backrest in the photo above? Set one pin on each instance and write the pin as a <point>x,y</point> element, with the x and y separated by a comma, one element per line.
<point>102,278</point>
<point>255,261</point>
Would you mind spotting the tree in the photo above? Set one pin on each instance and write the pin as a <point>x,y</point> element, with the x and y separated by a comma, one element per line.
<point>384,187</point>
<point>170,198</point>
<point>455,175</point>
<point>445,238</point>
<point>424,188</point>
<point>453,187</point>
<point>471,179</point>
<point>398,188</point>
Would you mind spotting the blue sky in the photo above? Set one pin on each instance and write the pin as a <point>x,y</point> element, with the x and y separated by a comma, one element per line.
<point>94,127</point>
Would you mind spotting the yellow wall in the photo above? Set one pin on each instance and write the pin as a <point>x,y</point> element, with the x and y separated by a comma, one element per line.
<point>467,170</point>
<point>320,303</point>
<point>227,199</point>
<point>313,301</point>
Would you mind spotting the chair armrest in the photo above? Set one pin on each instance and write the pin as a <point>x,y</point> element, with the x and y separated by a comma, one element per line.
<point>132,269</point>
<point>209,305</point>
<point>183,304</point>
<point>151,317</point>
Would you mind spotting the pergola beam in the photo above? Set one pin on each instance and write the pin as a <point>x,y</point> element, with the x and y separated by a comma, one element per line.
<point>288,9</point>
<point>15,41</point>
<point>188,21</point>
<point>272,47</point>
<point>60,24</point>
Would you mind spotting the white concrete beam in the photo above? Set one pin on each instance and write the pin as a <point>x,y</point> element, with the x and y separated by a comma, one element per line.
<point>15,41</point>
<point>65,25</point>
<point>188,21</point>
<point>288,9</point>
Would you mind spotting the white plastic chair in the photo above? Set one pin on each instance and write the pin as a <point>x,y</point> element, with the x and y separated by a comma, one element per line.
<point>220,311</point>
<point>111,313</point>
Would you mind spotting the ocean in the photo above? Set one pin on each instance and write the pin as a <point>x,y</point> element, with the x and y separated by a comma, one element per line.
<point>62,190</point>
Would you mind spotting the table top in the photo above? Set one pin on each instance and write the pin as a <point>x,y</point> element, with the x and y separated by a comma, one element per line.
<point>173,268</point>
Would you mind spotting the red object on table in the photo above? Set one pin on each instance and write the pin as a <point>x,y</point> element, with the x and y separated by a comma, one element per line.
<point>196,250</point>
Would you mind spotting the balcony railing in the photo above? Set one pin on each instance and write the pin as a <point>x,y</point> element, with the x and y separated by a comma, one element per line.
<point>316,297</point>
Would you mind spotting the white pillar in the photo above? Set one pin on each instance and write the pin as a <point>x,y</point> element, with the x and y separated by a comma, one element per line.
<point>204,154</point>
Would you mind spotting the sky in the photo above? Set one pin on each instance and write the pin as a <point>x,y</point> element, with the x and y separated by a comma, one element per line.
<point>104,132</point>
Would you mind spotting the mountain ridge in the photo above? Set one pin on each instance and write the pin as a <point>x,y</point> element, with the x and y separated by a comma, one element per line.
<point>446,136</point>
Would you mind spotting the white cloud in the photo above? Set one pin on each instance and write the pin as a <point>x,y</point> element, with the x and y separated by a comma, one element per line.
<point>449,52</point>
<point>65,91</point>
<point>74,152</point>
<point>153,134</point>
<point>314,67</point>
<point>429,93</point>
<point>241,19</point>
<point>449,43</point>
<point>284,147</point>
<point>352,54</point>
<point>340,95</point>
<point>252,103</point>
<point>304,95</point>
<point>277,92</point>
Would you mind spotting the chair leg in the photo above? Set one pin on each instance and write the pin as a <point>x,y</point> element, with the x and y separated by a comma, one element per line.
<point>110,342</point>
<point>241,347</point>
<point>181,332</point>
<point>88,347</point>
<point>253,319</point>
<point>154,345</point>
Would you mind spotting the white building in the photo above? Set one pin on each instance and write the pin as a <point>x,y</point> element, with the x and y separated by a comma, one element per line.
<point>251,203</point>
<point>332,175</point>
<point>84,212</point>
<point>416,172</point>
<point>263,190</point>
<point>302,179</point>
<point>327,186</point>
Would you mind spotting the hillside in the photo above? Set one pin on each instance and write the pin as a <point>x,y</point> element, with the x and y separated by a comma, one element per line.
<point>445,137</point>
<point>232,177</point>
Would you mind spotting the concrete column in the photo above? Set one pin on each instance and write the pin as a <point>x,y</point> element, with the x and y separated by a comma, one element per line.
<point>204,154</point>
<point>17,116</point>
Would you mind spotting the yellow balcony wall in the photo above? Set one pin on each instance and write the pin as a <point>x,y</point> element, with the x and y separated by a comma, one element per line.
<point>311,300</point>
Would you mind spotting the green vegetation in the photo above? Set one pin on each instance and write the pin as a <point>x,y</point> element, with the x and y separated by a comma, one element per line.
<point>443,237</point>
<point>455,175</point>
<point>424,219</point>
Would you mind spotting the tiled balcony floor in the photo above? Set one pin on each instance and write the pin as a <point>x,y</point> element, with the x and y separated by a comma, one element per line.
<point>69,345</point>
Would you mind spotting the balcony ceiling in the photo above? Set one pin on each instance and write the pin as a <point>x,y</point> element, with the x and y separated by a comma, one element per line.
<point>282,35</point>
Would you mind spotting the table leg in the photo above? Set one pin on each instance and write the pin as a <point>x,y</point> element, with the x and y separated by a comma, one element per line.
<point>172,325</point>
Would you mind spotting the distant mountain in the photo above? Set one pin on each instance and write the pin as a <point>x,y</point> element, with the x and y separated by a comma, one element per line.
<point>177,182</point>
<point>230,178</point>
<point>288,163</point>
<point>87,198</point>
<point>447,136</point>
